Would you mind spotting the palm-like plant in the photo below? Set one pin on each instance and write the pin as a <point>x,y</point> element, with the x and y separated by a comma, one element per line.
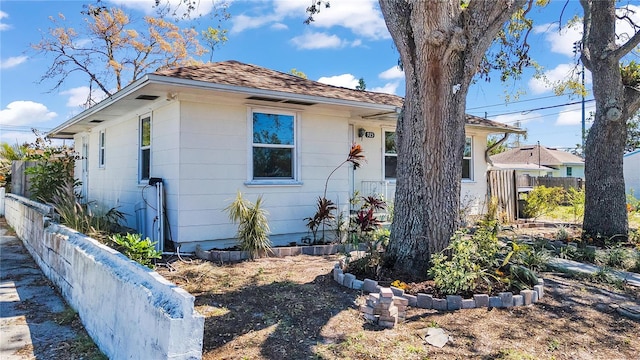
<point>323,216</point>
<point>253,226</point>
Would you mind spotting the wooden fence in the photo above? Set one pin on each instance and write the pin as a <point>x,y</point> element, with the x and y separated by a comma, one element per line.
<point>502,185</point>
<point>563,182</point>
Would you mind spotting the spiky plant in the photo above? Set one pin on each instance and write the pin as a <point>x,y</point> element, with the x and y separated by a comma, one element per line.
<point>253,226</point>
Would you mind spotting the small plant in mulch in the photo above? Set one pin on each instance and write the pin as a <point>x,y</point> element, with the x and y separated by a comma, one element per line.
<point>478,262</point>
<point>133,246</point>
<point>253,226</point>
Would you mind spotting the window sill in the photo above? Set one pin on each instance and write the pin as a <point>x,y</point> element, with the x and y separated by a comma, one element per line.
<point>256,183</point>
<point>468,181</point>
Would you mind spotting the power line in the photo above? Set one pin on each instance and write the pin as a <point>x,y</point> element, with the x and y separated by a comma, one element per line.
<point>542,108</point>
<point>513,102</point>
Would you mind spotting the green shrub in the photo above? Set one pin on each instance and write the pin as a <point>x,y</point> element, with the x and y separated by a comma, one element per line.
<point>543,200</point>
<point>478,260</point>
<point>253,226</point>
<point>54,168</point>
<point>458,272</point>
<point>137,249</point>
<point>617,257</point>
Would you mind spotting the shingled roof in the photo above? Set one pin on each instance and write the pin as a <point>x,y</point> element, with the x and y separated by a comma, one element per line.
<point>529,155</point>
<point>235,73</point>
<point>251,76</point>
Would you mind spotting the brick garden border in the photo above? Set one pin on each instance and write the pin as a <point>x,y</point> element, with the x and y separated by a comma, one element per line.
<point>387,306</point>
<point>227,256</point>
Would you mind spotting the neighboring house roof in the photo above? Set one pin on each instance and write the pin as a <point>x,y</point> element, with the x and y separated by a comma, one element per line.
<point>531,154</point>
<point>250,82</point>
<point>633,153</point>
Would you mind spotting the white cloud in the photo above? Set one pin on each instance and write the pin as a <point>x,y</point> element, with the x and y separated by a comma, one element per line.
<point>344,80</point>
<point>570,116</point>
<point>12,61</point>
<point>279,26</point>
<point>388,88</point>
<point>362,17</point>
<point>17,137</point>
<point>556,75</point>
<point>560,42</point>
<point>78,96</point>
<point>392,73</point>
<point>624,30</point>
<point>4,26</point>
<point>203,7</point>
<point>317,41</point>
<point>243,22</point>
<point>25,113</point>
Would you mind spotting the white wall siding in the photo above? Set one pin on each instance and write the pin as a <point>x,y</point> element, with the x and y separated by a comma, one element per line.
<point>631,166</point>
<point>213,167</point>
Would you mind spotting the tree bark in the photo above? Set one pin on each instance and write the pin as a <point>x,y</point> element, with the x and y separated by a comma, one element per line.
<point>440,46</point>
<point>605,202</point>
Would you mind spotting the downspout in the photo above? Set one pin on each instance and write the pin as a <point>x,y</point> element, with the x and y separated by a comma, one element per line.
<point>486,153</point>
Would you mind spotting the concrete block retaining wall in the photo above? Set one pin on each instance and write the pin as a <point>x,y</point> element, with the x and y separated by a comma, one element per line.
<point>130,311</point>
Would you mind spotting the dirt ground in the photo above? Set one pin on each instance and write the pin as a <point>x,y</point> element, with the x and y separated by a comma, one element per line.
<point>290,308</point>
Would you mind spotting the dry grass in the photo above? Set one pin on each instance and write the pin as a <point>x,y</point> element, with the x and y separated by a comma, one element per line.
<point>291,308</point>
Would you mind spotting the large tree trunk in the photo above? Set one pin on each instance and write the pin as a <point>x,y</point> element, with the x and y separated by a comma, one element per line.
<point>605,203</point>
<point>440,47</point>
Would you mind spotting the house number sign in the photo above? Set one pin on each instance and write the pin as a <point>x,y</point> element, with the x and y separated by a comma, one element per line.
<point>369,134</point>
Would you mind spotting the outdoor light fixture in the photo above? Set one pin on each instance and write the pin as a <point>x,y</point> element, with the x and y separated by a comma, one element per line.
<point>361,132</point>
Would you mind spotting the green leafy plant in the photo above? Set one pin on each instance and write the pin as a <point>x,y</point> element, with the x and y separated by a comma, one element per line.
<point>323,216</point>
<point>253,226</point>
<point>562,233</point>
<point>479,261</point>
<point>137,249</point>
<point>543,200</point>
<point>8,154</point>
<point>54,168</point>
<point>616,257</point>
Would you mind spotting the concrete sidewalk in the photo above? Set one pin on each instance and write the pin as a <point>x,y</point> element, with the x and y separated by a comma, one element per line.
<point>574,266</point>
<point>31,309</point>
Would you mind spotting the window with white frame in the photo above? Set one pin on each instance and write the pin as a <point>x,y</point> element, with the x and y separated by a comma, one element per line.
<point>273,145</point>
<point>390,155</point>
<point>144,156</point>
<point>569,171</point>
<point>102,138</point>
<point>467,159</point>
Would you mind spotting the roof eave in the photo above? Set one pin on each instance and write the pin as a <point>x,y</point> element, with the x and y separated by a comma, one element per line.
<point>99,106</point>
<point>498,130</point>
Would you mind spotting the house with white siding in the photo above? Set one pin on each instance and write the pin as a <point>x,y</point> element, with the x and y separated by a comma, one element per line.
<point>631,168</point>
<point>172,149</point>
<point>539,160</point>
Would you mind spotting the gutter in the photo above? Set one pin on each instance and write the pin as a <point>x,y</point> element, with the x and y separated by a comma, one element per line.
<point>486,152</point>
<point>101,105</point>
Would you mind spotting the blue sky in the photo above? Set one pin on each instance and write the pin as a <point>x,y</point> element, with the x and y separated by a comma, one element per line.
<point>346,42</point>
